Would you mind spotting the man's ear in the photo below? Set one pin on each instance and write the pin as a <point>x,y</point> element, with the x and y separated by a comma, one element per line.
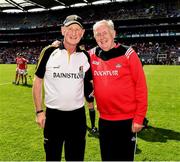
<point>82,32</point>
<point>114,33</point>
<point>62,30</point>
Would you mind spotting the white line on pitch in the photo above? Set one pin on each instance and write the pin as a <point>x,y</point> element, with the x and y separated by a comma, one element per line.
<point>5,83</point>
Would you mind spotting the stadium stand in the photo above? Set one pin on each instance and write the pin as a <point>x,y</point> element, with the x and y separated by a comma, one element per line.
<point>153,28</point>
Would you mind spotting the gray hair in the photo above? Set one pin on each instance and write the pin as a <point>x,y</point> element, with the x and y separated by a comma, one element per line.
<point>109,24</point>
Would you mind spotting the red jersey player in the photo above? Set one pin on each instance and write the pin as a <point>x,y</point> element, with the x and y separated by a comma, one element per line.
<point>22,69</point>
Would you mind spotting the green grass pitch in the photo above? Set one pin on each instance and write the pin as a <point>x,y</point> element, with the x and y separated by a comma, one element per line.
<point>22,140</point>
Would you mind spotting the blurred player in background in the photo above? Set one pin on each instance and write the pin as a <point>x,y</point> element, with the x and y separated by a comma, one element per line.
<point>89,99</point>
<point>22,69</point>
<point>92,115</point>
<point>90,104</point>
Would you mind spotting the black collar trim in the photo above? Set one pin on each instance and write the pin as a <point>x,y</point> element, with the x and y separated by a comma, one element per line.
<point>62,47</point>
<point>117,51</point>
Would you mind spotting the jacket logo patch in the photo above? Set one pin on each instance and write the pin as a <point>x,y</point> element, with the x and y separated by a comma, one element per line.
<point>118,65</point>
<point>81,72</point>
<point>95,62</point>
<point>81,69</point>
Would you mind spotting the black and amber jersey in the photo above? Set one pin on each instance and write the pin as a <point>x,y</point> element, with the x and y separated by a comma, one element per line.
<point>64,76</point>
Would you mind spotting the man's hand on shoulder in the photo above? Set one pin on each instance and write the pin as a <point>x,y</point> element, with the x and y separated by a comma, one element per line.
<point>56,43</point>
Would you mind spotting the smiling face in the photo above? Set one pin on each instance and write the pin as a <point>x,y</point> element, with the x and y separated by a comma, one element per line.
<point>72,34</point>
<point>104,36</point>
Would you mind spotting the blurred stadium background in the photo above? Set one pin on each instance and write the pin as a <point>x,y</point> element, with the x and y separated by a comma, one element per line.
<point>152,27</point>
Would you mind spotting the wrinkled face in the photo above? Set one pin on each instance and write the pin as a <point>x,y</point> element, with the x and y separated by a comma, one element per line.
<point>104,37</point>
<point>72,34</point>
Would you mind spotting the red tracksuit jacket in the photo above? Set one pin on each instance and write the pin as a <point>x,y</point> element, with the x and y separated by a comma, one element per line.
<point>119,84</point>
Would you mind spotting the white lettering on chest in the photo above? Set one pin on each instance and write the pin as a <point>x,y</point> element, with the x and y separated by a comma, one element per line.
<point>106,73</point>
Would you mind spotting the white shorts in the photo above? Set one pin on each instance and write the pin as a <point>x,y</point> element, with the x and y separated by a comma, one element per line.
<point>22,71</point>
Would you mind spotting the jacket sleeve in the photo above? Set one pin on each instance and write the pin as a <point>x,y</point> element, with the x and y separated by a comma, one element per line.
<point>139,79</point>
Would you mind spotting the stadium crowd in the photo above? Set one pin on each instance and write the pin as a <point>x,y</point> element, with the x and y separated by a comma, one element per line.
<point>149,52</point>
<point>116,11</point>
<point>151,27</point>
